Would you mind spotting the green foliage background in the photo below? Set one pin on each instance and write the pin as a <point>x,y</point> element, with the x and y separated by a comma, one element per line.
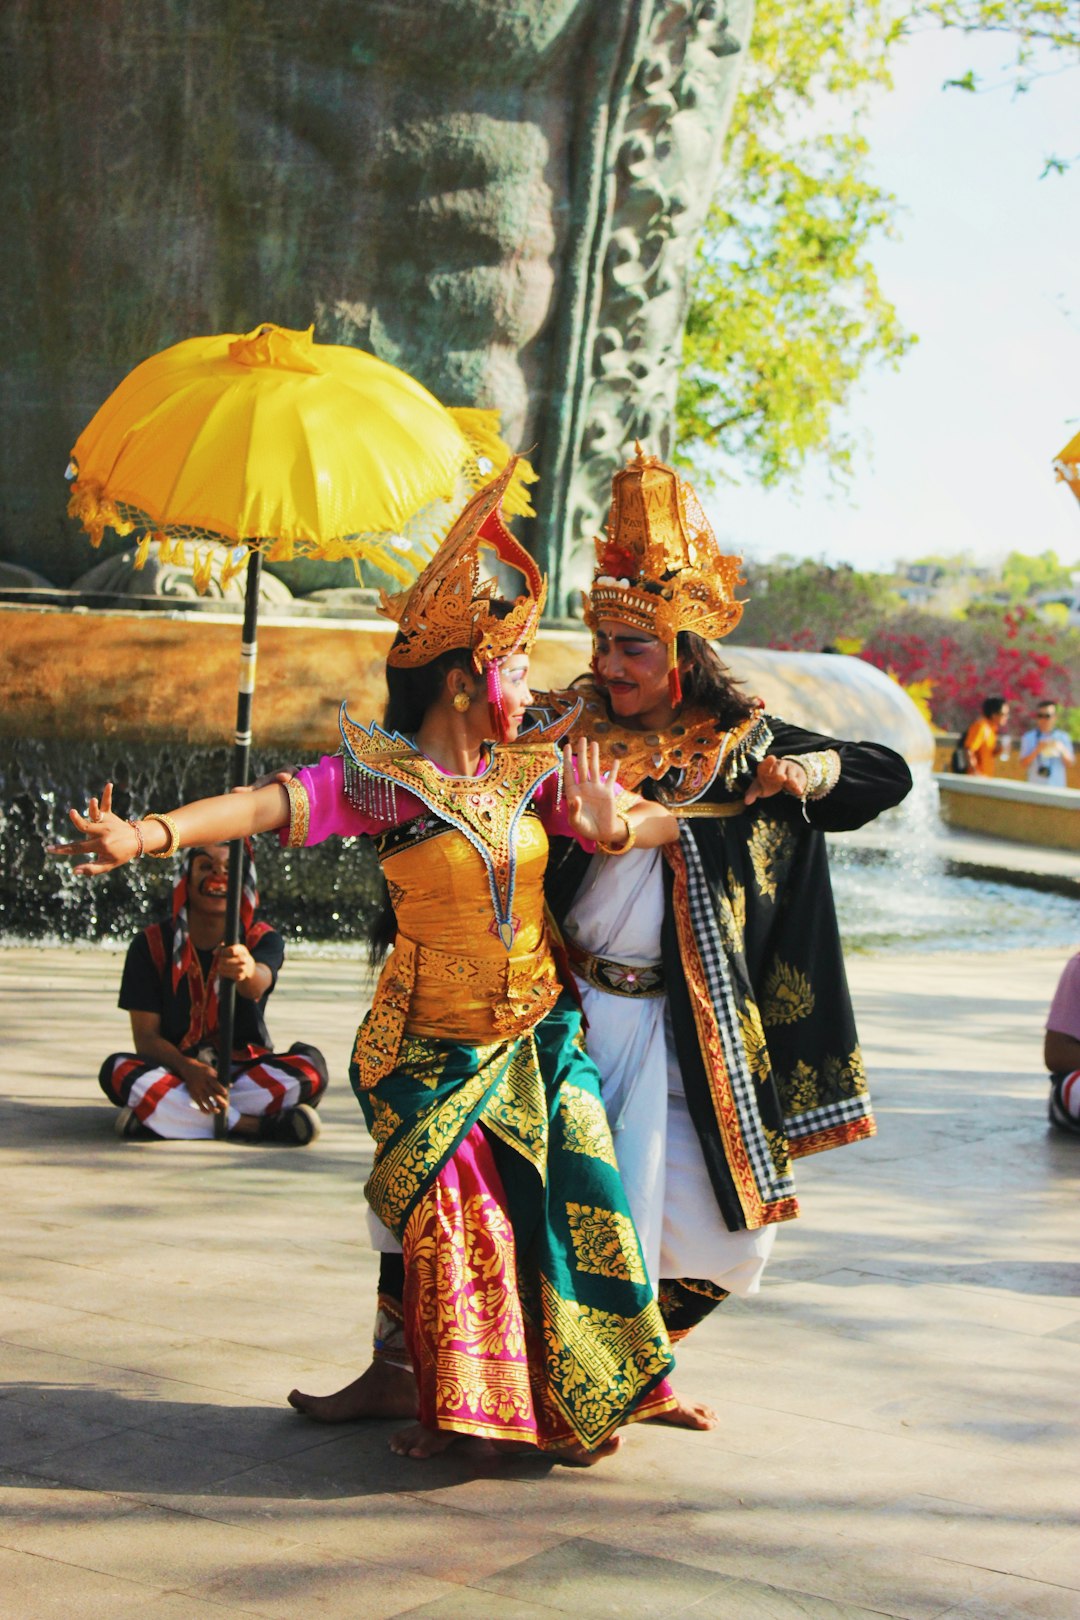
<point>787,310</point>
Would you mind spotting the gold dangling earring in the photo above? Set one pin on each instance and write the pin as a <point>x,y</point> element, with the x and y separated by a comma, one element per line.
<point>462,701</point>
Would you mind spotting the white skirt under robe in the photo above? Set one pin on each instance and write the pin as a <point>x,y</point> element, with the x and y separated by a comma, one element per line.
<point>618,914</point>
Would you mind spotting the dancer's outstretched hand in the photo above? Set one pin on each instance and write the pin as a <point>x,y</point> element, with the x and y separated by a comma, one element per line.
<point>591,795</point>
<point>108,840</point>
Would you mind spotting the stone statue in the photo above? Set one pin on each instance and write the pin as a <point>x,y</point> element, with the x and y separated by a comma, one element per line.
<point>502,199</point>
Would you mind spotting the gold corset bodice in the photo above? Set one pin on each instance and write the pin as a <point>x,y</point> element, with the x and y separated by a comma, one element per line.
<point>466,986</point>
<point>471,961</point>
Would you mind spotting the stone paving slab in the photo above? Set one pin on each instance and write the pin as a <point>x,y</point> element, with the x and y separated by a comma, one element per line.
<point>898,1433</point>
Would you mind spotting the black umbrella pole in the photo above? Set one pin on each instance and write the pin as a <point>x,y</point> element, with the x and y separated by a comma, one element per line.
<point>241,769</point>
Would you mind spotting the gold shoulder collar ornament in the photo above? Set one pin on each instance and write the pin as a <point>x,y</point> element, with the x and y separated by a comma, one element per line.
<point>695,750</point>
<point>486,809</point>
<point>660,567</point>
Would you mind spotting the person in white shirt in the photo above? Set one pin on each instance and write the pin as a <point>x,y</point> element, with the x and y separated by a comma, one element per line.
<point>1045,750</point>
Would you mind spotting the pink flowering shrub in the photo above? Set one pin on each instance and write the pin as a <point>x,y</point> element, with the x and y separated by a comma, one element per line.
<point>1009,652</point>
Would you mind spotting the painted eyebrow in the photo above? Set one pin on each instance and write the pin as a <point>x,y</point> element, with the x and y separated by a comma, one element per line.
<point>637,641</point>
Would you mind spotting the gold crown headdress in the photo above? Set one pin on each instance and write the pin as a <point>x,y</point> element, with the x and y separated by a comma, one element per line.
<point>660,568</point>
<point>449,604</point>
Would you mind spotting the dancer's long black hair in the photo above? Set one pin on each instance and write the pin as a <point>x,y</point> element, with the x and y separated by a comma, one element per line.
<point>707,683</point>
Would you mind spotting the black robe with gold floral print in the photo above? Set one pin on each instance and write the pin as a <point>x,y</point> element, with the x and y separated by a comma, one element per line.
<point>754,972</point>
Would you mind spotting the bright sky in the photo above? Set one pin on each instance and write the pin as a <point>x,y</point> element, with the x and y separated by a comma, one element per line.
<point>959,441</point>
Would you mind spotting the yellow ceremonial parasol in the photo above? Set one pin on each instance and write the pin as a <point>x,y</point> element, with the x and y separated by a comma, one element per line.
<point>288,446</point>
<point>1067,465</point>
<point>270,444</point>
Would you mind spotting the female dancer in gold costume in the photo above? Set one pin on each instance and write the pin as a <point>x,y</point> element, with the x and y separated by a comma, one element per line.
<point>528,1315</point>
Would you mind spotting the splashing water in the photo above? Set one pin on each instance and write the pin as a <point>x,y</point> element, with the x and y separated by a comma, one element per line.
<point>896,885</point>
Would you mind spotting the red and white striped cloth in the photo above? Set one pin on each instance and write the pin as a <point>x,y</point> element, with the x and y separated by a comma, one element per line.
<point>266,1083</point>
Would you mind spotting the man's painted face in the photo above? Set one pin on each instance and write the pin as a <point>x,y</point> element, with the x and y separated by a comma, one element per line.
<point>208,880</point>
<point>632,666</point>
<point>516,696</point>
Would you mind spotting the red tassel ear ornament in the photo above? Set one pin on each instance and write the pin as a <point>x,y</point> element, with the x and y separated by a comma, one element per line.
<point>674,681</point>
<point>495,703</point>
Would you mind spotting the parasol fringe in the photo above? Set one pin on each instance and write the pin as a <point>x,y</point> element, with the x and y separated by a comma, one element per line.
<point>481,431</point>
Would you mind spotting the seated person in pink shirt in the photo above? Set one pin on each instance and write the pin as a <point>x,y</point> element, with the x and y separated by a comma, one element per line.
<point>1061,1049</point>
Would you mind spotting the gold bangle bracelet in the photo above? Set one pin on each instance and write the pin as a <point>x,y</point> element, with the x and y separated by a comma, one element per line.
<point>619,849</point>
<point>174,836</point>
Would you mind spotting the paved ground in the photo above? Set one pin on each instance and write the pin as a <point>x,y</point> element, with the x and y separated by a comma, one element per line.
<point>898,1408</point>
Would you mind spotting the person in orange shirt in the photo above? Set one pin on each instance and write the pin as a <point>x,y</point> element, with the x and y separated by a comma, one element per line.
<point>983,737</point>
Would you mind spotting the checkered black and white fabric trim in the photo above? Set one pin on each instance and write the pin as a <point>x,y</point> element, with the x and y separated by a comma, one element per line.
<point>826,1118</point>
<point>770,1184</point>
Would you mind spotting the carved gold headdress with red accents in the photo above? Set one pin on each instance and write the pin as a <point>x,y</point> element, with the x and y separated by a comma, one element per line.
<point>660,568</point>
<point>449,606</point>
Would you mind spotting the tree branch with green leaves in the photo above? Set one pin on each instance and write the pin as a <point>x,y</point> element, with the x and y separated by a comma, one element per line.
<point>787,312</point>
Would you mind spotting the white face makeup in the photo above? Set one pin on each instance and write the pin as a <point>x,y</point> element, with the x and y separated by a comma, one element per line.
<point>516,696</point>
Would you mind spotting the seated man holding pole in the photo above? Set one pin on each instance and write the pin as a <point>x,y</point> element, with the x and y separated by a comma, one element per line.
<point>169,1087</point>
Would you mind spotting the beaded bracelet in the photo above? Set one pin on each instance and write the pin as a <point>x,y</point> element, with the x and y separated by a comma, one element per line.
<point>174,836</point>
<point>137,830</point>
<point>822,772</point>
<point>619,849</point>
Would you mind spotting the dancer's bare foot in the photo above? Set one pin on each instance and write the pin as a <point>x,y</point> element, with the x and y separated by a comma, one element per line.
<point>686,1414</point>
<point>579,1457</point>
<point>418,1441</point>
<point>382,1391</point>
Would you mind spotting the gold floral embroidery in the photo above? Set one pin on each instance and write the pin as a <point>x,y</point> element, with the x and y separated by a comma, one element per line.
<point>425,1059</point>
<point>401,1168</point>
<point>737,896</point>
<point>732,914</point>
<point>517,1109</point>
<point>778,1150</point>
<point>378,1040</point>
<point>469,1321</point>
<point>844,1076</point>
<point>585,1125</point>
<point>600,1363</point>
<point>788,995</point>
<point>384,1121</point>
<point>770,848</point>
<point>468,1252</point>
<point>753,1035</point>
<point>605,1243</point>
<point>801,1090</point>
